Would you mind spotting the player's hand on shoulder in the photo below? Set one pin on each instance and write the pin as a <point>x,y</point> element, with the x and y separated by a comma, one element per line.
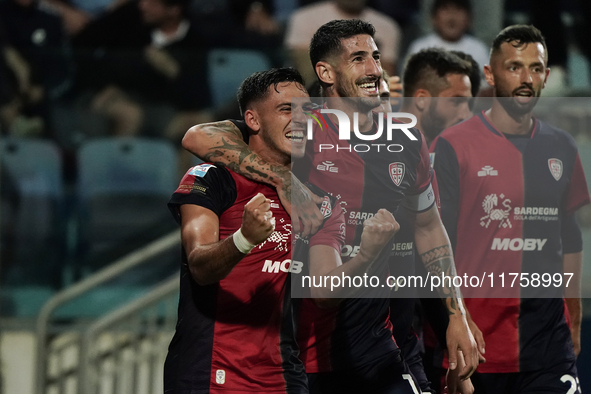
<point>377,231</point>
<point>257,219</point>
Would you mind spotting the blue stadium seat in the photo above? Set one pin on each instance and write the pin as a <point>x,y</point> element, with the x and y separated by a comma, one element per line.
<point>33,215</point>
<point>227,68</point>
<point>124,185</point>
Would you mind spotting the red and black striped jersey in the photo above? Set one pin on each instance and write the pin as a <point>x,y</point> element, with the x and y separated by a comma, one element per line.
<point>505,201</point>
<point>237,335</point>
<point>365,176</point>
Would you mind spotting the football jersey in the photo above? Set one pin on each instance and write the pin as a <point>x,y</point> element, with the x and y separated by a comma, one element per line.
<point>358,331</point>
<point>237,335</point>
<point>503,201</point>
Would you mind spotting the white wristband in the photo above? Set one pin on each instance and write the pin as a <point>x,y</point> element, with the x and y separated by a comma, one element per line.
<point>242,243</point>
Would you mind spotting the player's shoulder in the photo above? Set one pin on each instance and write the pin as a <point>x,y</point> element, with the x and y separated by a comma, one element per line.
<point>557,134</point>
<point>202,170</point>
<point>462,130</point>
<point>202,173</point>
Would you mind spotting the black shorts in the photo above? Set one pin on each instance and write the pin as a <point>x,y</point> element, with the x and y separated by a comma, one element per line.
<point>389,375</point>
<point>558,379</point>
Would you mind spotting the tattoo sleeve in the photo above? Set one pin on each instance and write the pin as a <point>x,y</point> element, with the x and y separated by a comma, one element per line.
<point>221,143</point>
<point>439,261</point>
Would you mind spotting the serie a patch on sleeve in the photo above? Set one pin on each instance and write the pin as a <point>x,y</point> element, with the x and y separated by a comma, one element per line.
<point>201,170</point>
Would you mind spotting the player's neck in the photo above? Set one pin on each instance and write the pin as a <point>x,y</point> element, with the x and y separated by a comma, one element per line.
<point>269,155</point>
<point>408,107</point>
<point>507,124</point>
<point>365,119</point>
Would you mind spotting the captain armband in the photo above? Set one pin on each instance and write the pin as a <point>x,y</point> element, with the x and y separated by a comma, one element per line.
<point>420,202</point>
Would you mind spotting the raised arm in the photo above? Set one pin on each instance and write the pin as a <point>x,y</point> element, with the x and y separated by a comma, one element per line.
<point>211,260</point>
<point>222,143</point>
<point>326,260</point>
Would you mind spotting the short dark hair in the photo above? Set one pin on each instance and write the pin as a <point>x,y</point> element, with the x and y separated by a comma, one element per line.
<point>256,86</point>
<point>520,35</point>
<point>427,68</point>
<point>475,73</point>
<point>326,41</point>
<point>461,4</point>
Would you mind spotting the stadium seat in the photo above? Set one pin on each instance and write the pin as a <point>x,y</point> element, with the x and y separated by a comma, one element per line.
<point>124,185</point>
<point>227,68</point>
<point>33,212</point>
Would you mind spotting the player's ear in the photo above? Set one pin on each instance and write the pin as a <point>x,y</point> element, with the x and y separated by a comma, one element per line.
<point>488,75</point>
<point>421,98</point>
<point>251,119</point>
<point>546,77</point>
<point>325,72</point>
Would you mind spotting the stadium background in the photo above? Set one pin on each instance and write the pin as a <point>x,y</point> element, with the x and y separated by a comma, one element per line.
<point>87,171</point>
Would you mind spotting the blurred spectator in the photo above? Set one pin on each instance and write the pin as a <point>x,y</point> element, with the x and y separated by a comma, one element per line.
<point>245,24</point>
<point>546,15</point>
<point>76,14</point>
<point>305,21</point>
<point>402,11</point>
<point>146,61</point>
<point>451,21</point>
<point>256,16</point>
<point>37,65</point>
<point>9,203</point>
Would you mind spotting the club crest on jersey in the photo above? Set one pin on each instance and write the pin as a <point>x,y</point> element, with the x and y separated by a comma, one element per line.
<point>555,166</point>
<point>397,172</point>
<point>326,208</point>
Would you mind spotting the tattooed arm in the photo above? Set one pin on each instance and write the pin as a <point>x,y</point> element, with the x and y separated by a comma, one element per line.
<point>435,250</point>
<point>221,143</point>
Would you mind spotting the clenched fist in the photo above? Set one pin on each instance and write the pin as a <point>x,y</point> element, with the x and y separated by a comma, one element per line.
<point>257,220</point>
<point>377,231</point>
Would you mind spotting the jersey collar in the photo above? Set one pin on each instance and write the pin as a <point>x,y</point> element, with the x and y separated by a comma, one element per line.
<point>493,129</point>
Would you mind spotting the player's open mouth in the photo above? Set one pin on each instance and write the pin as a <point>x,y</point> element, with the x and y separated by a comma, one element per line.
<point>295,135</point>
<point>524,96</point>
<point>369,87</point>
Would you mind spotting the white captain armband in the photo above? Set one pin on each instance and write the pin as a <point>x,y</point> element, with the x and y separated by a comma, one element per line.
<point>420,202</point>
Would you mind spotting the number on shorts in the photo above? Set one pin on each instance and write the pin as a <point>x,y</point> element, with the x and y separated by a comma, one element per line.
<point>407,376</point>
<point>574,384</point>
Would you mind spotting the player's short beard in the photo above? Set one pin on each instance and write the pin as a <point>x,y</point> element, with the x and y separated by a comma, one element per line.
<point>512,106</point>
<point>362,104</point>
<point>432,123</point>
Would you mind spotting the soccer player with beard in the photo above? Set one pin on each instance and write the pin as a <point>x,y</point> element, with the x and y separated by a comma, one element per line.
<point>236,325</point>
<point>351,348</point>
<point>498,163</point>
<point>436,89</point>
